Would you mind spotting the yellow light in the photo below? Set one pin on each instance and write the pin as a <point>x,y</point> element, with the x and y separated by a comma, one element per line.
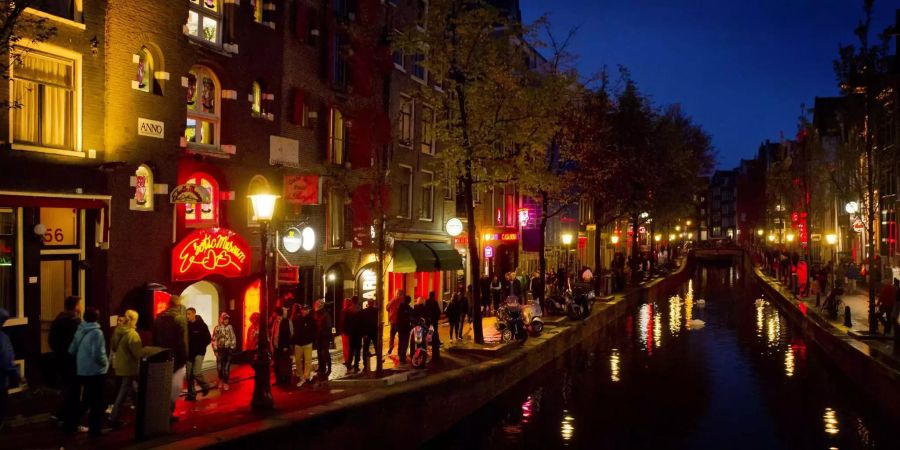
<point>690,235</point>
<point>331,276</point>
<point>759,232</point>
<point>831,238</point>
<point>688,223</point>
<point>263,206</point>
<point>771,238</point>
<point>488,237</point>
<point>614,239</point>
<point>671,237</point>
<point>790,238</point>
<point>566,239</point>
<point>657,238</point>
<point>678,228</point>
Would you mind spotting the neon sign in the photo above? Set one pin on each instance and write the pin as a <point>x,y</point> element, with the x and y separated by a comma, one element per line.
<point>210,251</point>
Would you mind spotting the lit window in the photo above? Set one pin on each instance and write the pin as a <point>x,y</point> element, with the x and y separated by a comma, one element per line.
<point>337,137</point>
<point>426,210</point>
<point>145,77</point>
<point>205,214</point>
<point>257,6</point>
<point>203,117</point>
<point>256,102</point>
<point>405,122</point>
<point>405,192</point>
<point>427,130</point>
<point>43,96</point>
<point>336,218</point>
<point>204,18</point>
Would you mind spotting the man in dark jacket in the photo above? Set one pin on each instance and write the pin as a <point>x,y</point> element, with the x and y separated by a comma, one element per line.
<point>62,330</point>
<point>537,288</point>
<point>198,339</point>
<point>303,337</point>
<point>404,325</point>
<point>323,340</point>
<point>433,314</point>
<point>515,286</point>
<point>367,329</point>
<point>170,331</point>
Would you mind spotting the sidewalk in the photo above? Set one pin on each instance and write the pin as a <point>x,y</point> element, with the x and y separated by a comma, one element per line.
<point>222,410</point>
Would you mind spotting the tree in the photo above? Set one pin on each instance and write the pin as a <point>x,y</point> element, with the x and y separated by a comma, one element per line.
<point>17,25</point>
<point>498,107</point>
<point>861,72</point>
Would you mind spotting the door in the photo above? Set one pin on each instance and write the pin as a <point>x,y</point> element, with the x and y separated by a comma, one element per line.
<point>59,279</point>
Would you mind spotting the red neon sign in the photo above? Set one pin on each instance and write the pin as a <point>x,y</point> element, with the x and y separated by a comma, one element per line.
<point>210,251</point>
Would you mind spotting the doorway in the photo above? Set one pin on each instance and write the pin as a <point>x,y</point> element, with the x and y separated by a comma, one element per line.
<point>204,297</point>
<point>59,279</point>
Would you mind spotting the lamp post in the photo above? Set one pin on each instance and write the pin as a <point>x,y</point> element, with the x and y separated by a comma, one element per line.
<point>263,209</point>
<point>832,239</point>
<point>567,241</point>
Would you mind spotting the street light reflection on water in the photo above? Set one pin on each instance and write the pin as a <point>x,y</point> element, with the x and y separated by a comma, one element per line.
<point>831,422</point>
<point>614,367</point>
<point>567,428</point>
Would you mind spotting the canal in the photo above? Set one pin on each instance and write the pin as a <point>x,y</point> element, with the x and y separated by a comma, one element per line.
<point>712,365</point>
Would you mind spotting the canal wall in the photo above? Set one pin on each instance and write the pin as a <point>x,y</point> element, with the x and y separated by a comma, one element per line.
<point>875,374</point>
<point>409,414</point>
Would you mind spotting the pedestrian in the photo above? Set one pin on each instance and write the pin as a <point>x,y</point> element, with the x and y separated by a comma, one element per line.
<point>452,313</point>
<point>304,335</point>
<point>198,339</point>
<point>514,286</point>
<point>368,329</point>
<point>496,292</point>
<point>89,349</point>
<point>9,372</point>
<point>484,296</point>
<point>537,288</point>
<point>433,311</point>
<point>355,331</point>
<point>885,305</point>
<point>323,340</point>
<point>404,322</point>
<point>392,316</point>
<point>62,330</point>
<point>345,325</point>
<point>170,331</point>
<point>852,275</point>
<point>252,332</point>
<point>126,347</point>
<point>282,345</point>
<point>224,342</point>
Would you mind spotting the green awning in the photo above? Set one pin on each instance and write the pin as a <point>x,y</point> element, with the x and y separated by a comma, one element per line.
<point>410,257</point>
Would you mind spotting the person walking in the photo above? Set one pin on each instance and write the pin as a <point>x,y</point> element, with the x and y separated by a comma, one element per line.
<point>62,330</point>
<point>304,335</point>
<point>537,288</point>
<point>496,292</point>
<point>514,286</point>
<point>282,345</point>
<point>91,363</point>
<point>355,334</point>
<point>198,339</point>
<point>452,311</point>
<point>886,305</point>
<point>224,342</point>
<point>9,372</point>
<point>170,331</point>
<point>392,307</point>
<point>433,312</point>
<point>852,275</point>
<point>126,348</point>
<point>404,323</point>
<point>367,321</point>
<point>323,340</point>
<point>345,327</point>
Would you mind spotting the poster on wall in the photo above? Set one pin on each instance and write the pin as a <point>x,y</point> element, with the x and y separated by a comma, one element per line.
<point>303,189</point>
<point>211,251</point>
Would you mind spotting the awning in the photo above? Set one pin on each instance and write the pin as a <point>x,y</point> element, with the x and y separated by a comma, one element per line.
<point>410,257</point>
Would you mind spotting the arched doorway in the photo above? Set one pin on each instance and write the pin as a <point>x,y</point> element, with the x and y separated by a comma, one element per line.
<point>204,297</point>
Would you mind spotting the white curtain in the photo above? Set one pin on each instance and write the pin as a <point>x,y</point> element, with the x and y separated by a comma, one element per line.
<point>44,90</point>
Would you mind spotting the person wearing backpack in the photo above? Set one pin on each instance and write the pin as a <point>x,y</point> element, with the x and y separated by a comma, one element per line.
<point>91,363</point>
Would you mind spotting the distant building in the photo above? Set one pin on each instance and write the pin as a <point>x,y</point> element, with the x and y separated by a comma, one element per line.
<point>722,193</point>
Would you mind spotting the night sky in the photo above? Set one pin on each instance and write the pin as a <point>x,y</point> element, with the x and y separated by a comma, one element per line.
<point>742,69</point>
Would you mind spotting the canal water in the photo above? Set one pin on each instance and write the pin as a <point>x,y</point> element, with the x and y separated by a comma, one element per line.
<point>712,365</point>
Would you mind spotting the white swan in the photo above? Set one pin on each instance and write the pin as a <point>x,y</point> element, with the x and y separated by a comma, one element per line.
<point>696,324</point>
<point>701,303</point>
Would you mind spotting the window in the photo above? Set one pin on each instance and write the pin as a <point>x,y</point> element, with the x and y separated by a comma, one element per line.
<point>67,9</point>
<point>145,78</point>
<point>448,186</point>
<point>426,209</point>
<point>44,93</point>
<point>337,137</point>
<point>421,13</point>
<point>418,69</point>
<point>257,6</point>
<point>399,55</point>
<point>406,185</point>
<point>205,214</point>
<point>336,226</point>
<point>405,123</point>
<point>204,18</point>
<point>203,117</point>
<point>256,99</point>
<point>8,246</point>
<point>343,9</point>
<point>258,185</point>
<point>427,144</point>
<point>340,72</point>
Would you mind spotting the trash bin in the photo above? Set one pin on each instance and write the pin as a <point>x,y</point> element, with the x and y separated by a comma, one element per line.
<point>154,393</point>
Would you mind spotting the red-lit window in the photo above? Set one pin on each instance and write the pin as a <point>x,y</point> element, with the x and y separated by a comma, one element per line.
<point>510,204</point>
<point>203,215</point>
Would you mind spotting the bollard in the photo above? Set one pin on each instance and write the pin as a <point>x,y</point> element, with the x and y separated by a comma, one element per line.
<point>847,322</point>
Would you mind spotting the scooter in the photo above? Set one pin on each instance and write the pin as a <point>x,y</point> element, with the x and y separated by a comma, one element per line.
<point>558,305</point>
<point>533,318</point>
<point>579,307</point>
<point>510,322</point>
<point>421,336</point>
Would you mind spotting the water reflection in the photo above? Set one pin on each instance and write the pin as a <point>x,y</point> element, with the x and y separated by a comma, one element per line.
<point>614,366</point>
<point>675,305</point>
<point>567,429</point>
<point>644,331</point>
<point>831,422</point>
<point>789,362</point>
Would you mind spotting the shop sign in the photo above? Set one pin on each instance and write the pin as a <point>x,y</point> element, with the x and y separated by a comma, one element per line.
<point>488,251</point>
<point>190,193</point>
<point>454,227</point>
<point>858,226</point>
<point>367,282</point>
<point>288,275</point>
<point>210,251</point>
<point>151,128</point>
<point>302,189</point>
<point>292,241</point>
<point>284,151</point>
<point>501,237</point>
<point>60,226</point>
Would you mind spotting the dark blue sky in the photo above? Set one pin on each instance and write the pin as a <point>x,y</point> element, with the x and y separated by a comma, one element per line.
<point>740,68</point>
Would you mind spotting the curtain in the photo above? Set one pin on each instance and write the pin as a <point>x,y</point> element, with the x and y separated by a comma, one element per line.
<point>44,90</point>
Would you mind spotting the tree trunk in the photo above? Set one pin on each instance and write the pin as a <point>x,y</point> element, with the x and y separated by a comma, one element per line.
<point>870,232</point>
<point>598,249</point>
<point>542,255</point>
<point>635,249</point>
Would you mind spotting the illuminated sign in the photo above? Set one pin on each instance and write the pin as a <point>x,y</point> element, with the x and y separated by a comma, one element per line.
<point>488,251</point>
<point>501,237</point>
<point>292,241</point>
<point>61,226</point>
<point>288,275</point>
<point>454,227</point>
<point>367,282</point>
<point>210,251</point>
<point>190,193</point>
<point>523,217</point>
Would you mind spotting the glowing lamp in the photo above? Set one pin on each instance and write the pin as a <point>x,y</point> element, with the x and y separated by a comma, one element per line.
<point>331,276</point>
<point>831,238</point>
<point>690,235</point>
<point>771,238</point>
<point>454,227</point>
<point>614,239</point>
<point>790,237</point>
<point>566,239</point>
<point>678,228</point>
<point>657,238</point>
<point>671,237</point>
<point>309,238</point>
<point>851,207</point>
<point>759,232</point>
<point>688,223</point>
<point>263,206</point>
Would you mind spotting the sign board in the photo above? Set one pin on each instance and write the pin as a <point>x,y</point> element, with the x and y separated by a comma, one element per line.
<point>815,237</point>
<point>302,189</point>
<point>288,275</point>
<point>367,282</point>
<point>284,151</point>
<point>151,128</point>
<point>859,226</point>
<point>454,227</point>
<point>488,251</point>
<point>210,251</point>
<point>190,193</point>
<point>61,226</point>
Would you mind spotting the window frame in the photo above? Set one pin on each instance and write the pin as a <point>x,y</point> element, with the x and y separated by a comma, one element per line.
<point>426,131</point>
<point>401,52</point>
<point>215,117</point>
<point>406,121</point>
<point>417,58</point>
<point>409,193</point>
<point>18,272</point>
<point>426,211</point>
<point>337,237</point>
<point>78,98</point>
<point>203,12</point>
<point>338,158</point>
<point>214,198</point>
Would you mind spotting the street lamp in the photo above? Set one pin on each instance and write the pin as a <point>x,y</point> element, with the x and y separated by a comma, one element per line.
<point>567,241</point>
<point>790,238</point>
<point>771,238</point>
<point>657,238</point>
<point>614,239</point>
<point>759,232</point>
<point>263,209</point>
<point>832,239</point>
<point>334,305</point>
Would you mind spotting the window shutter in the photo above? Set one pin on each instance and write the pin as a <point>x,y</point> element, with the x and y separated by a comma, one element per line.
<point>301,24</point>
<point>297,114</point>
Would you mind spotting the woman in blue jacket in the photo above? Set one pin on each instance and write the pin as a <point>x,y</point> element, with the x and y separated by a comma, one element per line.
<point>89,349</point>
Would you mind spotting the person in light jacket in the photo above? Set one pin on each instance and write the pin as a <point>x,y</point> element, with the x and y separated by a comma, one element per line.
<point>224,343</point>
<point>91,363</point>
<point>127,348</point>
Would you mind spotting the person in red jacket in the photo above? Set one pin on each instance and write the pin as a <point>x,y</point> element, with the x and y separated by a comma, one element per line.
<point>392,308</point>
